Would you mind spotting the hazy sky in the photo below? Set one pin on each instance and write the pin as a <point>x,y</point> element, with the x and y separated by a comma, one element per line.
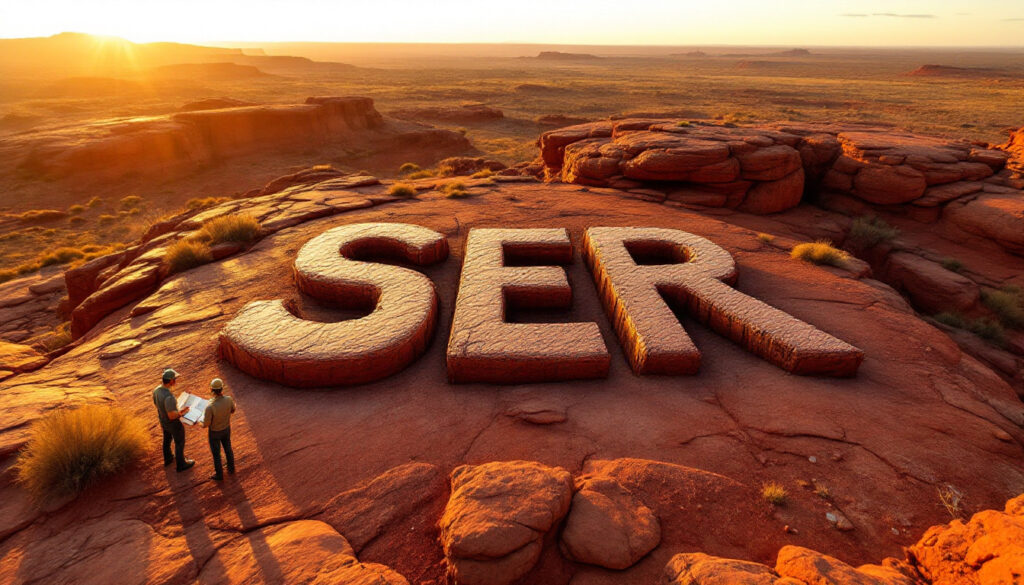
<point>660,22</point>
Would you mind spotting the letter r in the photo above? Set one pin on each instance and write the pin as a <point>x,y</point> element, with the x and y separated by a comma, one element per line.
<point>652,337</point>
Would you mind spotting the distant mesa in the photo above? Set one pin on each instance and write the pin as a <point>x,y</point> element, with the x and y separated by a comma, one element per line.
<point>691,55</point>
<point>178,143</point>
<point>560,56</point>
<point>214,104</point>
<point>964,72</point>
<point>539,89</point>
<point>659,114</point>
<point>749,64</point>
<point>466,113</point>
<point>207,71</point>
<point>791,53</point>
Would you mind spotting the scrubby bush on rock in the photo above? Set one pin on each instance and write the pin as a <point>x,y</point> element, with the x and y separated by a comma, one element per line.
<point>187,254</point>
<point>68,449</point>
<point>820,252</point>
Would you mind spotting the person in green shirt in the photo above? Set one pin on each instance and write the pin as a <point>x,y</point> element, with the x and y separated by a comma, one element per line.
<point>217,419</point>
<point>170,421</point>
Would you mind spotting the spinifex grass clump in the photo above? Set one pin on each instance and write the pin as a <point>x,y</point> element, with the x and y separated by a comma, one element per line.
<point>68,449</point>
<point>868,232</point>
<point>1007,303</point>
<point>455,190</point>
<point>187,254</point>
<point>240,229</point>
<point>402,190</point>
<point>774,493</point>
<point>820,252</point>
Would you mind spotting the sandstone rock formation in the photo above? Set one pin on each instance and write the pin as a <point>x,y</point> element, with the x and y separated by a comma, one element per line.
<point>702,569</point>
<point>494,525</point>
<point>31,306</point>
<point>464,165</point>
<point>608,526</point>
<point>371,460</point>
<point>305,551</point>
<point>180,142</point>
<point>769,168</point>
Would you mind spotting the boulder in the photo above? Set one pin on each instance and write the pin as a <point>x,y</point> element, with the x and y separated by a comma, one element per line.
<point>889,185</point>
<point>131,284</point>
<point>988,549</point>
<point>20,358</point>
<point>300,552</point>
<point>775,196</point>
<point>931,288</point>
<point>493,527</point>
<point>608,526</point>
<point>703,569</point>
<point>997,216</point>
<point>814,568</point>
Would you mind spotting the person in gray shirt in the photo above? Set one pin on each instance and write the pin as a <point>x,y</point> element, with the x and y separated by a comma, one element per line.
<point>170,421</point>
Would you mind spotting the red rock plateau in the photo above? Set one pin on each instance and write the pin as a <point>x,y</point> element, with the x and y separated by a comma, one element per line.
<point>621,478</point>
<point>167,146</point>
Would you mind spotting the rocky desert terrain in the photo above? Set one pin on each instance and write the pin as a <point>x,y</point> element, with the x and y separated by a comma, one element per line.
<point>453,448</point>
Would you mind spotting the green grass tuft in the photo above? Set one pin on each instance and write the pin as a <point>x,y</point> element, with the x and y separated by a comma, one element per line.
<point>868,232</point>
<point>774,493</point>
<point>1007,303</point>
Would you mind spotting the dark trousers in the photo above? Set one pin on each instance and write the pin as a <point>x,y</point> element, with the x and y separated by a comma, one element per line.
<point>218,439</point>
<point>174,430</point>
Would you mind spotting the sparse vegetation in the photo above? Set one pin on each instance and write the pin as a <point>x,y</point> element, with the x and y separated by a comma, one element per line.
<point>952,265</point>
<point>482,174</point>
<point>94,202</point>
<point>952,500</point>
<point>42,215</point>
<point>683,124</point>
<point>186,254</point>
<point>821,490</point>
<point>131,202</point>
<point>408,167</point>
<point>77,220</point>
<point>821,252</point>
<point>76,209</point>
<point>241,229</point>
<point>54,340</point>
<point>984,328</point>
<point>1007,304</point>
<point>765,238</point>
<point>455,190</point>
<point>204,202</point>
<point>402,190</point>
<point>774,493</point>
<point>868,232</point>
<point>107,219</point>
<point>424,174</point>
<point>70,448</point>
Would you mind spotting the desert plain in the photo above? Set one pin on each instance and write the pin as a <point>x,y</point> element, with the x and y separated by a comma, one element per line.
<point>899,174</point>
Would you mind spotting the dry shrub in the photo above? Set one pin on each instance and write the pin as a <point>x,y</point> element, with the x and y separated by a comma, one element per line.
<point>455,190</point>
<point>402,190</point>
<point>421,175</point>
<point>868,232</point>
<point>765,238</point>
<point>204,202</point>
<point>774,493</point>
<point>820,252</point>
<point>69,448</point>
<point>408,167</point>
<point>241,229</point>
<point>42,215</point>
<point>186,254</point>
<point>131,202</point>
<point>76,209</point>
<point>484,174</point>
<point>1007,303</point>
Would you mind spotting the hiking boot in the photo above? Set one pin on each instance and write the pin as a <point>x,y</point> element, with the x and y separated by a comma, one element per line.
<point>188,465</point>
